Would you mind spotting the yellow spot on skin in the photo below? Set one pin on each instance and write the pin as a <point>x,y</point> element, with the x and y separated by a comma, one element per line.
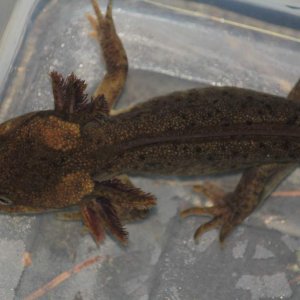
<point>67,192</point>
<point>53,132</point>
<point>60,135</point>
<point>72,188</point>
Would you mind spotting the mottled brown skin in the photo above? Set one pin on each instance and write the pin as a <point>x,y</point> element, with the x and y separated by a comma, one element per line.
<point>74,154</point>
<point>201,131</point>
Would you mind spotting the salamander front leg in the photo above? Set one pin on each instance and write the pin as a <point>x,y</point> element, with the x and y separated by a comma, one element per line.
<point>113,53</point>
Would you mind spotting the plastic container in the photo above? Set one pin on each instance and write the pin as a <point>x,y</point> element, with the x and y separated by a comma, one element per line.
<point>171,45</point>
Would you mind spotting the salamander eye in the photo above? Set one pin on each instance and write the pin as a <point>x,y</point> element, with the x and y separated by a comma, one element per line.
<point>5,201</point>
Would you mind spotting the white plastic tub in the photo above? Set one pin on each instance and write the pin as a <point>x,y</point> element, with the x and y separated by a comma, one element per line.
<point>171,45</point>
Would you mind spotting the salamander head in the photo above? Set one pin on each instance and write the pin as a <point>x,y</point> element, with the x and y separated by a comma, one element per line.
<point>41,164</point>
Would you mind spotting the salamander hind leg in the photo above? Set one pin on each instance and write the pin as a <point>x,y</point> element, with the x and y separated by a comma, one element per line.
<point>225,215</point>
<point>230,210</point>
<point>113,52</point>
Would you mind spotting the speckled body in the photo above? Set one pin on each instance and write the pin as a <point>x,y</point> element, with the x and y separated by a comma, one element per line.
<point>74,154</point>
<point>196,132</point>
<point>200,131</point>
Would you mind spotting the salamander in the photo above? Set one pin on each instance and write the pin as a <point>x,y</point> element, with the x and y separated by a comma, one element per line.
<point>77,153</point>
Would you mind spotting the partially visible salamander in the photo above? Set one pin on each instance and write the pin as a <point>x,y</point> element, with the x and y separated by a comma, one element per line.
<point>75,153</point>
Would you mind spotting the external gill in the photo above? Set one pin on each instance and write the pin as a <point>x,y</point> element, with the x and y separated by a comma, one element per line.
<point>112,203</point>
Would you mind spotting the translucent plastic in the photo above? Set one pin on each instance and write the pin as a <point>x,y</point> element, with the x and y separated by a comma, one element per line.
<point>169,48</point>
